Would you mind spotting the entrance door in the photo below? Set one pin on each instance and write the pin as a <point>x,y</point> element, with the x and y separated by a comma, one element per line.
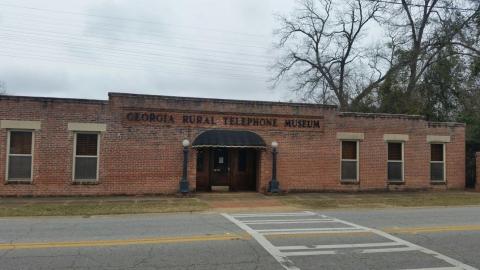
<point>236,168</point>
<point>203,170</point>
<point>244,163</point>
<point>220,167</point>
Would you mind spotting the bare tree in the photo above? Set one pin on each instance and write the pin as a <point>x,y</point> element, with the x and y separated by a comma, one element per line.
<point>469,38</point>
<point>325,52</point>
<point>425,29</point>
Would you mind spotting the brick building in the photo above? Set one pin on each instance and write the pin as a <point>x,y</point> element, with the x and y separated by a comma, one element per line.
<point>132,144</point>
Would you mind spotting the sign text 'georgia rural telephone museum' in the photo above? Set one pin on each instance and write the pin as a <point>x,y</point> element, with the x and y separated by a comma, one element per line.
<point>132,144</point>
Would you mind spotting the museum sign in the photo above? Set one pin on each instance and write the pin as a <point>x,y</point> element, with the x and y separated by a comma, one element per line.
<point>245,121</point>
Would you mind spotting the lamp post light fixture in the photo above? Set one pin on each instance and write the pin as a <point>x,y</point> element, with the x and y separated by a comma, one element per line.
<point>184,181</point>
<point>273,186</point>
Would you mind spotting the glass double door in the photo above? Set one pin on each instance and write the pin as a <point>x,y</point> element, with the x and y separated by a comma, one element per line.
<point>232,167</point>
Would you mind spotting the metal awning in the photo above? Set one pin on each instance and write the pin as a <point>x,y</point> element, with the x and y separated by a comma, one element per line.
<point>228,138</point>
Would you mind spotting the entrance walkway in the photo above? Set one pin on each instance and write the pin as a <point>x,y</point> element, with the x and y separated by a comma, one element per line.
<point>242,201</point>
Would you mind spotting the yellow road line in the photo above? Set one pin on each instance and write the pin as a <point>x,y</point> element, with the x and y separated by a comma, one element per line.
<point>433,229</point>
<point>223,237</point>
<point>126,242</point>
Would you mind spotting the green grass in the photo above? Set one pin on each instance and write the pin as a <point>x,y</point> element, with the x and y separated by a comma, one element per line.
<point>381,200</point>
<point>85,208</point>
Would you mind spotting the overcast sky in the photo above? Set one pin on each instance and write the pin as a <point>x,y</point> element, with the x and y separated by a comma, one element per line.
<point>85,49</point>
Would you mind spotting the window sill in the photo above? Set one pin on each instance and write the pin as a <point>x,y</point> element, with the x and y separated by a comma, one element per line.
<point>438,182</point>
<point>85,182</point>
<point>19,182</point>
<point>349,182</point>
<point>398,182</point>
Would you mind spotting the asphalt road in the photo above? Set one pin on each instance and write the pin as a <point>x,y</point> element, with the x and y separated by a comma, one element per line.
<point>428,238</point>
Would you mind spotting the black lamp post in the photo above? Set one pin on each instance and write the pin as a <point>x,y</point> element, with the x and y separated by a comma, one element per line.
<point>184,181</point>
<point>273,186</point>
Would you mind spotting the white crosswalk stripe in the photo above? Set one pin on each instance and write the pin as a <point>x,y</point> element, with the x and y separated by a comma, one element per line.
<point>286,221</point>
<point>280,223</point>
<point>367,245</point>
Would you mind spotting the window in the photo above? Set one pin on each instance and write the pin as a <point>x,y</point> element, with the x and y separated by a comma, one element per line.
<point>437,162</point>
<point>395,162</point>
<point>349,171</point>
<point>20,148</point>
<point>86,157</point>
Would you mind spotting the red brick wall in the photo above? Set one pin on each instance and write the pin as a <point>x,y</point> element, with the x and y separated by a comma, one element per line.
<point>138,157</point>
<point>53,148</point>
<point>373,151</point>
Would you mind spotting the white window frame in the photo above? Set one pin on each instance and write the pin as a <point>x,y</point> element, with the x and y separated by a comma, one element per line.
<point>75,157</point>
<point>444,151</point>
<point>357,160</point>
<point>393,161</point>
<point>7,177</point>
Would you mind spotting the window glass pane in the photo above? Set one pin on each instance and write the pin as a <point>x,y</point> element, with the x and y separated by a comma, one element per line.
<point>349,170</point>
<point>200,160</point>
<point>436,172</point>
<point>86,168</point>
<point>220,160</point>
<point>87,144</point>
<point>437,152</point>
<point>395,171</point>
<point>19,167</point>
<point>349,150</point>
<point>20,142</point>
<point>394,151</point>
<point>242,160</point>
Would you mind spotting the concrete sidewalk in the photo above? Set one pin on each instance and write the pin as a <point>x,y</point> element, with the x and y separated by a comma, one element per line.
<point>245,201</point>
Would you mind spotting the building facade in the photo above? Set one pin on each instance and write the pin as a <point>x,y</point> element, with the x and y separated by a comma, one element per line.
<point>132,144</point>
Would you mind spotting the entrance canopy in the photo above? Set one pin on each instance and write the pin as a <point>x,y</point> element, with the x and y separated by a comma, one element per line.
<point>228,138</point>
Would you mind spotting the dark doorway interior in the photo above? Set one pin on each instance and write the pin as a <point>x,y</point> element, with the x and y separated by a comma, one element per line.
<point>232,167</point>
<point>470,164</point>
